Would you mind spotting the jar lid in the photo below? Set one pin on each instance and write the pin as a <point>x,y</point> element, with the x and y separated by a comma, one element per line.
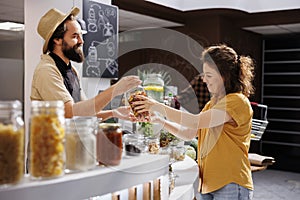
<point>81,121</point>
<point>109,125</point>
<point>47,104</point>
<point>8,105</point>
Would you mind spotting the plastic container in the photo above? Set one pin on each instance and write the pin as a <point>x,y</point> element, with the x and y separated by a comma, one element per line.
<point>47,135</point>
<point>154,86</point>
<point>11,142</point>
<point>109,144</point>
<point>80,143</point>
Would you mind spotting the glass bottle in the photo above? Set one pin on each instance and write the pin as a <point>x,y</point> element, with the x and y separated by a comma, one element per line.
<point>47,135</point>
<point>109,144</point>
<point>11,142</point>
<point>80,143</point>
<point>154,86</point>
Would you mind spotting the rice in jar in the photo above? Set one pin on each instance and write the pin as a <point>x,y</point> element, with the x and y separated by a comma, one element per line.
<point>80,143</point>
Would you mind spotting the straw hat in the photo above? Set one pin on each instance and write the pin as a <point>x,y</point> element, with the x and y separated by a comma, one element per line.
<point>50,21</point>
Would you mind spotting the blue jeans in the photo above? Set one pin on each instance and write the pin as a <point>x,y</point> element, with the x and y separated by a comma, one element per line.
<point>231,191</point>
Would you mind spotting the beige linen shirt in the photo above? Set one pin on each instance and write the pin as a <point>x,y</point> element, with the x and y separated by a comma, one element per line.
<point>48,83</point>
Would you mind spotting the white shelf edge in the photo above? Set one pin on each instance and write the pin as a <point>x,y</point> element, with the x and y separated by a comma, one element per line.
<point>96,182</point>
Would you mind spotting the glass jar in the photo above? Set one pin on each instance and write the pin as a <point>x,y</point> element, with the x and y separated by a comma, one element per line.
<point>153,145</point>
<point>11,142</point>
<point>109,144</point>
<point>154,86</point>
<point>80,143</point>
<point>47,135</point>
<point>177,153</point>
<point>131,96</point>
<point>134,145</point>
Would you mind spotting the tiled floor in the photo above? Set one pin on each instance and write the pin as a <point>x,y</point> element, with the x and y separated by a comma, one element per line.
<point>276,185</point>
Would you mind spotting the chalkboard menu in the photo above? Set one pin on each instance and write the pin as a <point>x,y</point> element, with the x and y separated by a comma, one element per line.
<point>101,40</point>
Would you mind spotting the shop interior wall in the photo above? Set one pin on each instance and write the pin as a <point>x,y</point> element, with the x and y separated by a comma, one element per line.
<point>206,30</point>
<point>11,70</point>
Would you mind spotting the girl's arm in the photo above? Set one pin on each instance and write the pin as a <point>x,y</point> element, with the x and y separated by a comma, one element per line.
<point>176,129</point>
<point>206,119</point>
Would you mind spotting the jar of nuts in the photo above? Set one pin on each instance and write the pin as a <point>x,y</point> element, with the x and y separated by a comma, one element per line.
<point>153,145</point>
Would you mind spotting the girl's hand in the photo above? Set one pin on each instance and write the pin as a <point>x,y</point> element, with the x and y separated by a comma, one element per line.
<point>144,105</point>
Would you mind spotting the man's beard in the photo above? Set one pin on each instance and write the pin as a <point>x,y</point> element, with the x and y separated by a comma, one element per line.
<point>74,54</point>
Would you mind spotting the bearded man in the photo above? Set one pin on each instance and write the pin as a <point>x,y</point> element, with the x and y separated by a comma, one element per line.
<point>56,79</point>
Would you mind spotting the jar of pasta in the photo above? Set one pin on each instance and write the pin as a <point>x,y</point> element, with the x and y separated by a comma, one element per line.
<point>11,142</point>
<point>80,143</point>
<point>109,144</point>
<point>47,135</point>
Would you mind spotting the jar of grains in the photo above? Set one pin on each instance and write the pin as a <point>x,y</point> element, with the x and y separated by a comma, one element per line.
<point>47,134</point>
<point>11,142</point>
<point>109,144</point>
<point>80,143</point>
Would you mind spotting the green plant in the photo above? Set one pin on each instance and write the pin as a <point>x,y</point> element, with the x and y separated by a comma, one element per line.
<point>146,128</point>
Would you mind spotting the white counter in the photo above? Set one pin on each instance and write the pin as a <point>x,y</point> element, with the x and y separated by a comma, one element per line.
<point>186,182</point>
<point>99,181</point>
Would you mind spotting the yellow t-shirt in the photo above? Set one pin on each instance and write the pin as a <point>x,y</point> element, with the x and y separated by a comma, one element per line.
<point>223,150</point>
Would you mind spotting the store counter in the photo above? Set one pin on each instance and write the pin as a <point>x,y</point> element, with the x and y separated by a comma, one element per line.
<point>186,183</point>
<point>99,181</point>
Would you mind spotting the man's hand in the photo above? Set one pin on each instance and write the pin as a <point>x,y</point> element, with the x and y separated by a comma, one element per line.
<point>124,113</point>
<point>126,83</point>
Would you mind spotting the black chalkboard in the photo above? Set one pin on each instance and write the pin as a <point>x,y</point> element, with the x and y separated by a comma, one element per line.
<point>101,40</point>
